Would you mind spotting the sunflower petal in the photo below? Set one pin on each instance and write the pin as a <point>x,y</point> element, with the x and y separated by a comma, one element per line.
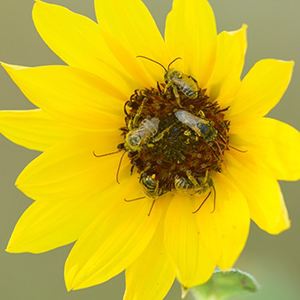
<point>262,191</point>
<point>70,168</point>
<point>130,62</point>
<point>48,225</point>
<point>192,262</point>
<point>78,41</point>
<point>191,34</point>
<point>275,143</point>
<point>132,25</point>
<point>33,129</point>
<point>71,95</point>
<point>114,240</point>
<point>260,90</point>
<point>150,277</point>
<point>225,79</point>
<point>224,228</point>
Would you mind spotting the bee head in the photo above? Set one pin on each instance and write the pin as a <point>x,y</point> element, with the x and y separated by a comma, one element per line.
<point>173,74</point>
<point>133,141</point>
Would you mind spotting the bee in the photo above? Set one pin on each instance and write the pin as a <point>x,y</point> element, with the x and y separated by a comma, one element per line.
<point>178,81</point>
<point>201,126</point>
<point>195,185</point>
<point>136,138</point>
<point>151,186</point>
<point>151,189</point>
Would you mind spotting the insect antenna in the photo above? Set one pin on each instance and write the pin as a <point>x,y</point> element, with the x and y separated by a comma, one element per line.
<point>173,62</point>
<point>202,203</point>
<point>222,139</point>
<point>135,199</point>
<point>215,194</point>
<point>151,207</point>
<point>106,154</point>
<point>140,56</point>
<point>224,144</point>
<point>140,198</point>
<point>119,166</point>
<point>236,149</point>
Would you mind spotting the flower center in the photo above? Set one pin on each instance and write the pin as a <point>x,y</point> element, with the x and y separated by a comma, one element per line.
<point>175,140</point>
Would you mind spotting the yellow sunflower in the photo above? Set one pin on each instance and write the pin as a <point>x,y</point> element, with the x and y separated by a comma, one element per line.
<point>156,154</point>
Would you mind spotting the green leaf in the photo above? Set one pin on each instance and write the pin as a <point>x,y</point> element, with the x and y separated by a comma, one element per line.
<point>226,285</point>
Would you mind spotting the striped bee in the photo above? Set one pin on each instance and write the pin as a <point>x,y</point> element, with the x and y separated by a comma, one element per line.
<point>201,126</point>
<point>196,185</point>
<point>151,186</point>
<point>136,138</point>
<point>178,81</point>
<point>192,184</point>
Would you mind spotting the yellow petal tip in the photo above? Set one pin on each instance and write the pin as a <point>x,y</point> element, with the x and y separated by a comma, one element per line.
<point>70,274</point>
<point>69,288</point>
<point>11,249</point>
<point>8,250</point>
<point>68,284</point>
<point>40,2</point>
<point>3,64</point>
<point>18,182</point>
<point>9,67</point>
<point>279,229</point>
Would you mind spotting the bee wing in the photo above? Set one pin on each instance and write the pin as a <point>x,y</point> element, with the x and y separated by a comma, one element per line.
<point>186,118</point>
<point>190,120</point>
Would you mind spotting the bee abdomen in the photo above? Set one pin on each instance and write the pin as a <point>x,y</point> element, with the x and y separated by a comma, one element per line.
<point>149,183</point>
<point>181,183</point>
<point>188,91</point>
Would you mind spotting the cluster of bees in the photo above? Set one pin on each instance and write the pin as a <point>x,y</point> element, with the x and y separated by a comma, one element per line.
<point>147,134</point>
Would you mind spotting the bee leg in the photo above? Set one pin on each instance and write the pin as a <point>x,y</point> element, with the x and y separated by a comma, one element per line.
<point>137,115</point>
<point>194,81</point>
<point>175,91</point>
<point>202,203</point>
<point>153,202</point>
<point>157,185</point>
<point>192,179</point>
<point>130,127</point>
<point>131,169</point>
<point>201,114</point>
<point>161,135</point>
<point>167,86</point>
<point>202,181</point>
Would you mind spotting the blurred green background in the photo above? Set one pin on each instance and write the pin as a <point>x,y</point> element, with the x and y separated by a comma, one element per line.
<point>273,260</point>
